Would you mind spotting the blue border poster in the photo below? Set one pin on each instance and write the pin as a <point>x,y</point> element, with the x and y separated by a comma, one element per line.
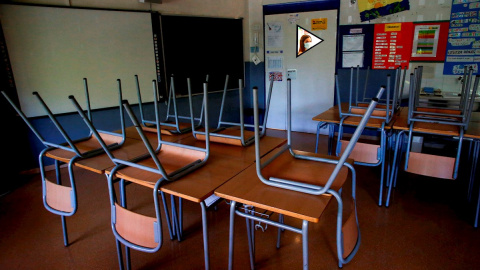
<point>463,46</point>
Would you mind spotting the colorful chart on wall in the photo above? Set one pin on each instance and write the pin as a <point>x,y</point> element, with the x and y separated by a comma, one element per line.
<point>392,45</point>
<point>306,40</point>
<point>463,46</point>
<point>372,9</point>
<point>429,41</point>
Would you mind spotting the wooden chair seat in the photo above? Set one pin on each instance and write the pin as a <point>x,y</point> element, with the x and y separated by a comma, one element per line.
<point>58,197</point>
<point>172,159</point>
<point>376,112</point>
<point>362,152</point>
<point>306,171</point>
<point>431,165</point>
<point>230,131</point>
<point>167,130</point>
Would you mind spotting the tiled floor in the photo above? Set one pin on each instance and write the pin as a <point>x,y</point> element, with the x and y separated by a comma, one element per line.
<point>428,226</point>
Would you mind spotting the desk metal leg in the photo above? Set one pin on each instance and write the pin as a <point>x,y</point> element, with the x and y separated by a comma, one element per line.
<point>250,236</point>
<point>231,234</point>
<point>63,218</point>
<point>320,125</point>
<point>305,244</point>
<point>167,216</point>
<point>205,235</point>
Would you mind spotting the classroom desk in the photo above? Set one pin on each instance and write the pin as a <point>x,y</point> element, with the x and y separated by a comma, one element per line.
<point>224,162</point>
<point>246,188</point>
<point>331,118</point>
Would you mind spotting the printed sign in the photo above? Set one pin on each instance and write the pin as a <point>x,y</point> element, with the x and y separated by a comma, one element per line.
<point>319,24</point>
<point>392,45</point>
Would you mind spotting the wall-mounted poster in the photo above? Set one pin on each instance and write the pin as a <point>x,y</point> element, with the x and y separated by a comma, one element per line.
<point>372,9</point>
<point>429,41</point>
<point>463,47</point>
<point>392,45</point>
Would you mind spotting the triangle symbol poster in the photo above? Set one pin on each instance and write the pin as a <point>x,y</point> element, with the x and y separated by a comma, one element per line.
<point>306,40</point>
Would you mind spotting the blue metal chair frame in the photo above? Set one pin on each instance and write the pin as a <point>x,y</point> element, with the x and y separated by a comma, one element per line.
<point>172,99</point>
<point>301,187</point>
<point>461,120</point>
<point>391,107</point>
<point>175,225</point>
<point>223,125</point>
<point>68,145</point>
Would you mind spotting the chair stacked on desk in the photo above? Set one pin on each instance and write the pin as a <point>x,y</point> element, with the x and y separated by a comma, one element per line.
<point>369,154</point>
<point>283,179</point>
<point>167,162</point>
<point>430,118</point>
<point>233,133</point>
<point>59,198</point>
<point>172,123</point>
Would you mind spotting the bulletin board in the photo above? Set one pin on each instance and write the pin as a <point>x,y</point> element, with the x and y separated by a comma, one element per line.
<point>430,41</point>
<point>392,45</point>
<point>464,38</point>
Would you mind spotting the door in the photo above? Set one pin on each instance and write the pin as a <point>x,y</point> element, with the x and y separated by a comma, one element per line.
<point>313,72</point>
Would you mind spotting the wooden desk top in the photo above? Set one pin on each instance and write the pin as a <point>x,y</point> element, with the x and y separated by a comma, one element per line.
<point>246,188</point>
<point>225,161</point>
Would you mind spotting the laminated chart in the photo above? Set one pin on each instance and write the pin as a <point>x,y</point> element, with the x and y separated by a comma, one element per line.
<point>392,45</point>
<point>463,46</point>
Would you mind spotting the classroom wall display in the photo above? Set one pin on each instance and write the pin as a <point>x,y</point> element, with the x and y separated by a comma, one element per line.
<point>355,46</point>
<point>430,41</point>
<point>463,47</point>
<point>372,9</point>
<point>392,45</point>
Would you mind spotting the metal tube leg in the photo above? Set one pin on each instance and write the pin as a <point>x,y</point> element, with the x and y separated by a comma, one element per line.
<point>305,244</point>
<point>167,216</point>
<point>380,197</point>
<point>123,201</point>
<point>205,235</point>
<point>119,254</point>
<point>180,215</point>
<point>175,218</point>
<point>231,234</point>
<point>280,220</point>
<point>64,228</point>
<point>475,224</point>
<point>251,240</point>
<point>331,134</point>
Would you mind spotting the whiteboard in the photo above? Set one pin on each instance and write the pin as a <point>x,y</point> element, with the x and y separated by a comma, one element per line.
<point>52,49</point>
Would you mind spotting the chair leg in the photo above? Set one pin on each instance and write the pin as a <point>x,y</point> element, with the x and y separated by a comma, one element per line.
<point>167,216</point>
<point>127,258</point>
<point>64,227</point>
<point>119,254</point>
<point>175,221</point>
